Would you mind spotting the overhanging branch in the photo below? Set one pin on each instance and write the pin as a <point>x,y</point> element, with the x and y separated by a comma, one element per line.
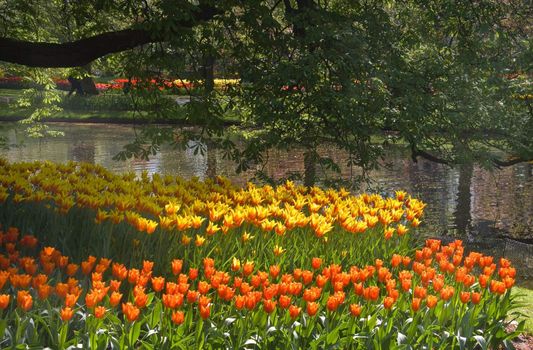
<point>81,52</point>
<point>71,54</point>
<point>505,163</point>
<point>415,153</point>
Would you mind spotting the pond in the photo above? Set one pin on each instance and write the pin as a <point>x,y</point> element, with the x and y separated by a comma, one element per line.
<point>491,210</point>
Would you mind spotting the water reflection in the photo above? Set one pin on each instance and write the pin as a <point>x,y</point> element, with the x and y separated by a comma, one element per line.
<point>477,205</point>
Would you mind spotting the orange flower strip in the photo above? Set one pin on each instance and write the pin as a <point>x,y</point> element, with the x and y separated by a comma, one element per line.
<point>413,284</point>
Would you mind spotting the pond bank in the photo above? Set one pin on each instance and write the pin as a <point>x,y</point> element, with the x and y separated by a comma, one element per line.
<point>106,118</point>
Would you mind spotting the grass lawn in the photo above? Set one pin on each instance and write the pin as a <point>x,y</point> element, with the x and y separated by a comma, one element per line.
<point>525,298</point>
<point>11,92</point>
<point>9,112</point>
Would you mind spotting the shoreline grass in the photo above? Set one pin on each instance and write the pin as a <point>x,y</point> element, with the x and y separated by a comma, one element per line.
<point>524,296</point>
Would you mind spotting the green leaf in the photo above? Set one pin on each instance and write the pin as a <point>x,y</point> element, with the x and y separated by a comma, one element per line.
<point>333,336</point>
<point>135,331</point>
<point>481,341</point>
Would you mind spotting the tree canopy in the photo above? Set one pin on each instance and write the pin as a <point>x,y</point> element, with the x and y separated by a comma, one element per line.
<point>450,79</point>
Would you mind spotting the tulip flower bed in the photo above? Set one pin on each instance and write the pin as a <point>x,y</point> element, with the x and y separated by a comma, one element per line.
<point>97,260</point>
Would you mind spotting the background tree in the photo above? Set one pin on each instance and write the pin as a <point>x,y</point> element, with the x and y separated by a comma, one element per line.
<point>450,79</point>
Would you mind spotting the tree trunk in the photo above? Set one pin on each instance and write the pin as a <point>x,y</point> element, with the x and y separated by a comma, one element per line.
<point>309,168</point>
<point>208,72</point>
<point>463,217</point>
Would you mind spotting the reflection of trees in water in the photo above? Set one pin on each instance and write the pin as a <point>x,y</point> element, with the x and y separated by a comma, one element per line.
<point>462,214</point>
<point>196,161</point>
<point>211,171</point>
<point>503,200</point>
<point>82,151</point>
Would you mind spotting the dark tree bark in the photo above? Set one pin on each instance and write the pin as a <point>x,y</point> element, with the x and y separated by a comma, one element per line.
<point>72,54</point>
<point>310,168</point>
<point>81,52</point>
<point>208,71</point>
<point>463,217</point>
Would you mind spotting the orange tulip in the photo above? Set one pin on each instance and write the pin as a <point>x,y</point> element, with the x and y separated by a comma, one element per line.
<point>114,285</point>
<point>315,263</point>
<point>172,301</point>
<point>355,310</point>
<point>204,301</point>
<point>4,301</point>
<point>274,271</point>
<point>312,294</point>
<point>177,265</point>
<point>193,273</point>
<point>192,296</point>
<point>396,260</point>
<point>332,303</point>
<point>158,283</point>
<point>240,301</point>
<point>415,304</point>
<point>269,305</point>
<point>119,271</point>
<point>203,287</point>
<point>509,282</point>
<point>66,313</point>
<point>130,311</point>
<point>178,317</point>
<point>141,299</point>
<point>71,299</point>
<point>115,298</point>
<point>24,300</point>
<point>321,281</point>
<point>99,312</point>
<point>44,291</point>
<point>497,287</point>
<point>294,311</point>
<point>406,284</point>
<point>446,293</point>
<point>248,268</point>
<point>420,292</point>
<point>371,293</point>
<point>284,301</point>
<point>312,308</point>
<point>476,298</point>
<point>205,311</point>
<point>388,302</point>
<point>465,297</point>
<point>431,301</point>
<point>483,280</point>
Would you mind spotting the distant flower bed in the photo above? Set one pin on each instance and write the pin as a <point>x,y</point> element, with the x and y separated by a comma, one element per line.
<point>14,83</point>
<point>178,85</point>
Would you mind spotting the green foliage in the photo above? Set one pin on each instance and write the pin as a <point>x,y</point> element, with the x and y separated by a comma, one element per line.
<point>437,76</point>
<point>525,308</point>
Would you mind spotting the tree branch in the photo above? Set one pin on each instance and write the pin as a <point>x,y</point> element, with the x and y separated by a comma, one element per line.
<point>505,163</point>
<point>70,54</point>
<point>81,52</point>
<point>415,153</point>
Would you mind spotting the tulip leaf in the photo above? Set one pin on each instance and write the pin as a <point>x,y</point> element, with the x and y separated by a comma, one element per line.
<point>481,341</point>
<point>333,336</point>
<point>401,338</point>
